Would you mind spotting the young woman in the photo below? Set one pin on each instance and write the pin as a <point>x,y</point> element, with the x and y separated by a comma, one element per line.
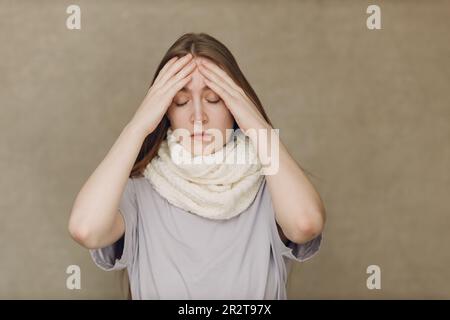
<point>214,230</point>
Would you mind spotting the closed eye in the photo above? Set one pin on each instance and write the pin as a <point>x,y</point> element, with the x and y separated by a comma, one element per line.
<point>182,104</point>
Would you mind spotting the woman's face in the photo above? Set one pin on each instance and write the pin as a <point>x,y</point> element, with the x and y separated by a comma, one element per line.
<point>196,108</point>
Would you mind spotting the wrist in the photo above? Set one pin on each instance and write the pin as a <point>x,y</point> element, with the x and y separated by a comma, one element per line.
<point>137,130</point>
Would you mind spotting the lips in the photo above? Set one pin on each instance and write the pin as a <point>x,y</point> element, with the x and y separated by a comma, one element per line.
<point>201,136</point>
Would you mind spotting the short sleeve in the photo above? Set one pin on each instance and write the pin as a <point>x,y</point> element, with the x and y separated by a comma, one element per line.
<point>295,251</point>
<point>120,254</point>
<point>303,251</point>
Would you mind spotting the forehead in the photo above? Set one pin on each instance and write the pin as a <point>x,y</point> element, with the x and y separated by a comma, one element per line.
<point>197,83</point>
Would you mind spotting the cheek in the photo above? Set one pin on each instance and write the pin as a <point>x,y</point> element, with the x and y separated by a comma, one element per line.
<point>222,117</point>
<point>220,109</point>
<point>176,115</point>
<point>226,114</point>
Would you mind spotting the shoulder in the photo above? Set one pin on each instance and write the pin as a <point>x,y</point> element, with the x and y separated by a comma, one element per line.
<point>135,183</point>
<point>143,191</point>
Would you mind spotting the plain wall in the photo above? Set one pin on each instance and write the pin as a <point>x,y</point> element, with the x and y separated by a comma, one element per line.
<point>366,111</point>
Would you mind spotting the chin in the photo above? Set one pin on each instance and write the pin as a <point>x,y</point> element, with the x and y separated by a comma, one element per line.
<point>197,149</point>
<point>202,151</point>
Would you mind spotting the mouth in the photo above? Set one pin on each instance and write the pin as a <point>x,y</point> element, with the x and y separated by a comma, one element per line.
<point>201,136</point>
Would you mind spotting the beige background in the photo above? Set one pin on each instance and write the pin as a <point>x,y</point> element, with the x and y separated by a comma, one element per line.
<point>366,111</point>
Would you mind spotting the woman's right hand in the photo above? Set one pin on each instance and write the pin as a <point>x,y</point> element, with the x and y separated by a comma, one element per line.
<point>171,78</point>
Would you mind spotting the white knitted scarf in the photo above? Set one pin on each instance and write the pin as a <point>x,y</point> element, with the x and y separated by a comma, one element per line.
<point>205,186</point>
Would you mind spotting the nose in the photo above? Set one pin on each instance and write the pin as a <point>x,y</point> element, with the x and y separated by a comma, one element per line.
<point>199,117</point>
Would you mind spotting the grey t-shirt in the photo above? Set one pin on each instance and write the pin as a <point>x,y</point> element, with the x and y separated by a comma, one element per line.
<point>170,253</point>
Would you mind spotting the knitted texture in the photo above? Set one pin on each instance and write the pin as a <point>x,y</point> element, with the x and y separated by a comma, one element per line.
<point>220,185</point>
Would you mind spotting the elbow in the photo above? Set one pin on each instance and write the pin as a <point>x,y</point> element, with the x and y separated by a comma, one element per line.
<point>82,235</point>
<point>309,228</point>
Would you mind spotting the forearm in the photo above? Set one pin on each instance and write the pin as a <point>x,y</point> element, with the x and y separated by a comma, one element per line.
<point>95,207</point>
<point>298,207</point>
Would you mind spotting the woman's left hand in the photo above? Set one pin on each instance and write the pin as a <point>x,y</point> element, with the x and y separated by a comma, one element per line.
<point>302,217</point>
<point>240,105</point>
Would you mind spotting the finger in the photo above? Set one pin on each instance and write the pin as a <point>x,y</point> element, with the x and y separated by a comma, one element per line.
<point>223,88</point>
<point>224,94</point>
<point>218,80</point>
<point>221,73</point>
<point>164,68</point>
<point>239,94</point>
<point>177,86</point>
<point>174,68</point>
<point>187,69</point>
